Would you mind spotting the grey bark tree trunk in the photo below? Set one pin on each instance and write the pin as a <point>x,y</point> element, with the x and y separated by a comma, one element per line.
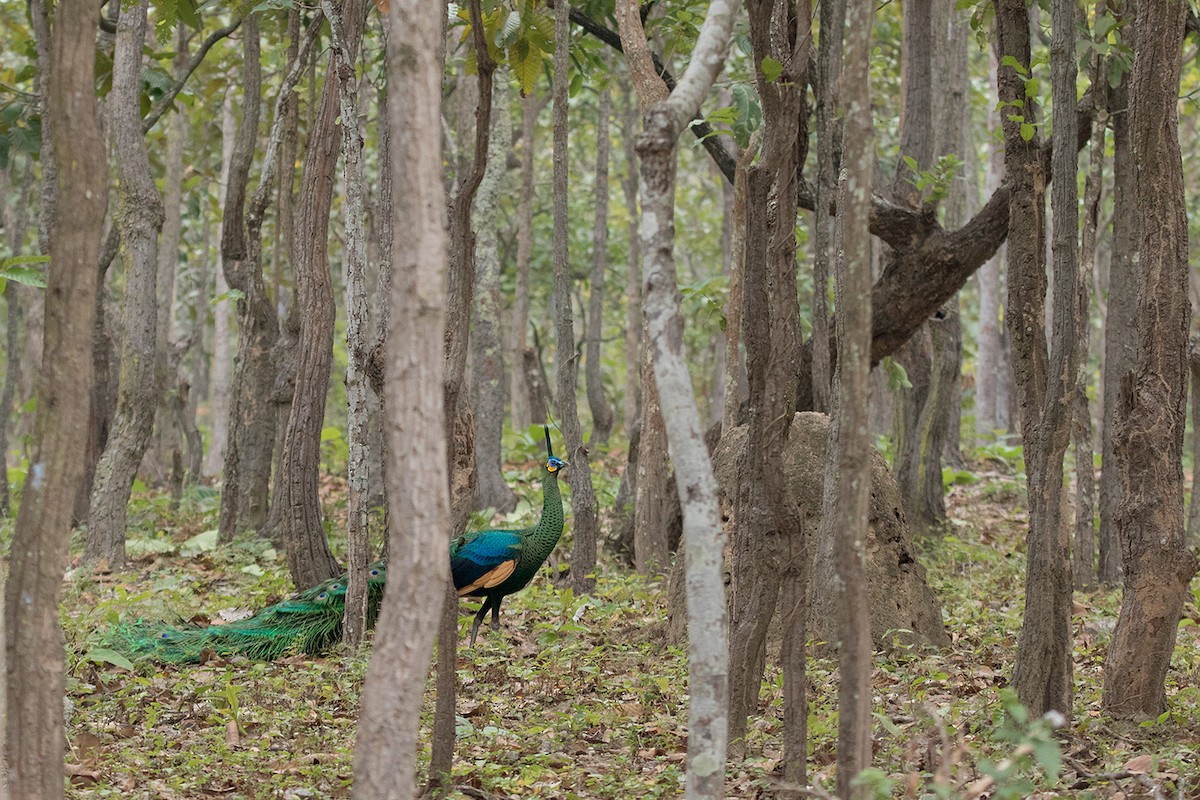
<point>386,756</point>
<point>139,217</point>
<point>309,559</point>
<point>35,660</point>
<point>1120,332</point>
<point>1045,380</point>
<point>1151,410</point>
<point>522,415</point>
<point>487,368</point>
<point>16,223</point>
<point>218,385</point>
<point>585,524</point>
<point>358,323</point>
<point>601,408</point>
<point>632,403</point>
<point>703,538</point>
<point>844,506</point>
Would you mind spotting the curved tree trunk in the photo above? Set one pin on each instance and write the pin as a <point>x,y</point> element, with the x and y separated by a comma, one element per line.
<point>602,412</point>
<point>309,559</point>
<point>33,639</point>
<point>487,367</point>
<point>139,217</point>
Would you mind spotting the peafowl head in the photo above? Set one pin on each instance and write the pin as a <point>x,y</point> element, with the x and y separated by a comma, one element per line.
<point>553,464</point>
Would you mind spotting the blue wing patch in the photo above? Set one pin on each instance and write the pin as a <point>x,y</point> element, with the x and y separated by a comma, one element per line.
<point>484,561</point>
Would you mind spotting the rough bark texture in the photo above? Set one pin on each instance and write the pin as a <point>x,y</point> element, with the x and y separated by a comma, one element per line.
<point>139,217</point>
<point>358,323</point>
<point>309,559</point>
<point>601,408</point>
<point>991,368</point>
<point>585,523</point>
<point>765,515</point>
<point>251,415</point>
<point>219,383</point>
<point>386,756</point>
<point>1193,517</point>
<point>1150,413</point>
<point>487,367</point>
<point>1120,332</point>
<point>1045,380</point>
<point>703,538</point>
<point>35,659</point>
<point>845,505</point>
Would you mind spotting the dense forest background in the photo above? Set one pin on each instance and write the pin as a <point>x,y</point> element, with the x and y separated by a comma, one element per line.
<point>289,288</point>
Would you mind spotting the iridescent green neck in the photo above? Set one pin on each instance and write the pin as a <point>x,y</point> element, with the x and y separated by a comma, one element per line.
<point>546,533</point>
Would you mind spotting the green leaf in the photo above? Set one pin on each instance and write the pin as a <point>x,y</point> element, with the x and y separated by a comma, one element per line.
<point>1027,130</point>
<point>771,69</point>
<point>1011,61</point>
<point>27,276</point>
<point>16,261</point>
<point>330,433</point>
<point>507,33</point>
<point>232,294</point>
<point>103,655</point>
<point>1031,87</point>
<point>200,543</point>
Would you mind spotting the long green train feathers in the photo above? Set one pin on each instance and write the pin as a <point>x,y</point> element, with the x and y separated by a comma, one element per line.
<point>310,622</point>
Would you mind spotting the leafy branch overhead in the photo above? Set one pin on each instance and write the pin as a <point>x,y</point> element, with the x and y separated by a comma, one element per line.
<point>524,37</point>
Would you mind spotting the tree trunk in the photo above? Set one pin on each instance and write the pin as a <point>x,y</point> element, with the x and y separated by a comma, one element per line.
<point>766,520</point>
<point>1045,380</point>
<point>632,404</point>
<point>522,415</point>
<point>991,370</point>
<point>585,524</point>
<point>703,538</point>
<point>218,387</point>
<point>139,218</point>
<point>844,507</point>
<point>1083,553</point>
<point>602,412</point>
<point>35,659</point>
<point>1120,331</point>
<point>1151,413</point>
<point>309,559</point>
<point>386,754</point>
<point>15,219</point>
<point>737,278</point>
<point>358,323</point>
<point>487,367</point>
<point>250,413</point>
<point>1193,518</point>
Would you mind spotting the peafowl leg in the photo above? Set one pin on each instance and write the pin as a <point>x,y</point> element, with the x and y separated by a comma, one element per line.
<point>479,615</point>
<point>496,614</point>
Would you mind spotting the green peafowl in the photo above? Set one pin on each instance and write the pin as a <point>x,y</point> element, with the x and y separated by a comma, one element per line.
<point>491,564</point>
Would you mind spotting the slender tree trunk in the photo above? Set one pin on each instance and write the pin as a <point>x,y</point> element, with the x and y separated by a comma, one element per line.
<point>632,404</point>
<point>1045,380</point>
<point>250,416</point>
<point>487,367</point>
<point>518,388</point>
<point>703,537</point>
<point>991,370</point>
<point>1120,331</point>
<point>1151,410</point>
<point>358,543</point>
<point>218,388</point>
<point>585,524</point>
<point>139,217</point>
<point>846,501</point>
<point>1083,553</point>
<point>737,277</point>
<point>35,659</point>
<point>309,559</point>
<point>386,756</point>
<point>1193,517</point>
<point>16,223</point>
<point>602,412</point>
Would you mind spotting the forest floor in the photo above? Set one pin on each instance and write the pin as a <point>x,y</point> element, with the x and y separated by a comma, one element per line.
<point>580,697</point>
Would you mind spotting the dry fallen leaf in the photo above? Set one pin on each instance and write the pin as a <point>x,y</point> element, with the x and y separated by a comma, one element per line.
<point>1140,765</point>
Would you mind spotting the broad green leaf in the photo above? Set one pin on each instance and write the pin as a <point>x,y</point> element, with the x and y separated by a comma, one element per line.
<point>103,655</point>
<point>200,543</point>
<point>17,261</point>
<point>771,69</point>
<point>27,276</point>
<point>1027,130</point>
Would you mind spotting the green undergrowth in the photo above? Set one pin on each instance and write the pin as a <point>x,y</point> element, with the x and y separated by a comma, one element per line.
<point>582,697</point>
